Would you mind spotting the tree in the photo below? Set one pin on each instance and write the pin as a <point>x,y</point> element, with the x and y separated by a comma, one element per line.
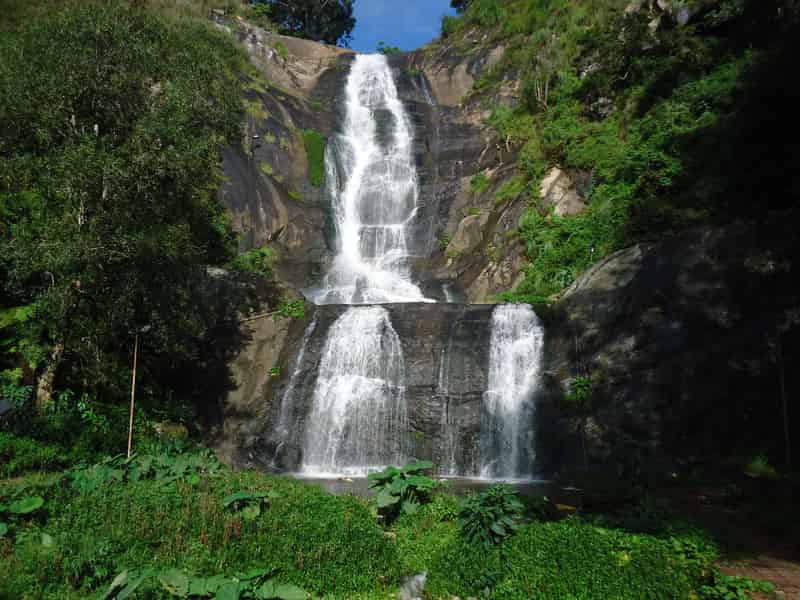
<point>460,5</point>
<point>110,127</point>
<point>329,21</point>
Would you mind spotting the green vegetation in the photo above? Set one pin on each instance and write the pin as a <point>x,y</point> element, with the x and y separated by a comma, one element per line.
<point>256,262</point>
<point>256,110</point>
<point>384,49</point>
<point>727,587</point>
<point>402,489</point>
<point>315,151</point>
<point>109,166</point>
<point>255,584</point>
<point>294,309</point>
<point>265,167</point>
<point>172,523</point>
<point>490,517</point>
<point>295,195</point>
<point>331,22</point>
<point>480,183</point>
<point>659,115</point>
<point>281,50</point>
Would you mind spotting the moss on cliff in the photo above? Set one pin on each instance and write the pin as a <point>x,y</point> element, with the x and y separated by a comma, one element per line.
<point>315,151</point>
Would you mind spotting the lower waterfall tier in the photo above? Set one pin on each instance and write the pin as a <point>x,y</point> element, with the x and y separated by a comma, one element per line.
<point>430,368</point>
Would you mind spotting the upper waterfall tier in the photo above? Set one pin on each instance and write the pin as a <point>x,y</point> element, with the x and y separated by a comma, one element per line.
<point>372,183</point>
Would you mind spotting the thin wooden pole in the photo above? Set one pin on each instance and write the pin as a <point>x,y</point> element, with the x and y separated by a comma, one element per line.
<point>133,393</point>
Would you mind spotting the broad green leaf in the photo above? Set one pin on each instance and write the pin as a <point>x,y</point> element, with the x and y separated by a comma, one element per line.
<point>421,482</point>
<point>498,529</point>
<point>385,498</point>
<point>229,591</point>
<point>47,540</point>
<point>398,486</point>
<point>251,512</point>
<point>257,573</point>
<point>214,583</point>
<point>133,585</point>
<point>289,592</point>
<point>26,505</point>
<point>267,590</point>
<point>3,529</point>
<point>118,582</point>
<point>410,507</point>
<point>175,582</point>
<point>418,466</point>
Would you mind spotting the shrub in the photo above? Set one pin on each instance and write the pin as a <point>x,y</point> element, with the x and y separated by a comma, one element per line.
<point>22,455</point>
<point>257,261</point>
<point>402,489</point>
<point>490,517</point>
<point>294,309</point>
<point>480,183</point>
<point>281,50</point>
<point>727,587</point>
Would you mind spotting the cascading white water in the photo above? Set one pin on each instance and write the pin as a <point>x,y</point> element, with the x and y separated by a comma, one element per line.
<point>515,358</point>
<point>373,185</point>
<point>359,416</point>
<point>289,396</point>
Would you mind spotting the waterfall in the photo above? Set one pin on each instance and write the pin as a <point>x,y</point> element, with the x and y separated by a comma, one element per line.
<point>449,428</point>
<point>288,400</point>
<point>359,415</point>
<point>374,192</point>
<point>515,357</point>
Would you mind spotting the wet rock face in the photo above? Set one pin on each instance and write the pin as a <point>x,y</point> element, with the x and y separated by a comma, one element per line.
<point>266,187</point>
<point>427,333</point>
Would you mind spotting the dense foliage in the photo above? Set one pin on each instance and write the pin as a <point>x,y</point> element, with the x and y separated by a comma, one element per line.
<point>490,517</point>
<point>671,122</point>
<point>177,518</point>
<point>111,122</point>
<point>329,21</point>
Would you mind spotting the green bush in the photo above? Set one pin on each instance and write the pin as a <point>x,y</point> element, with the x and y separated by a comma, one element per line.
<point>20,455</point>
<point>402,489</point>
<point>727,587</point>
<point>491,516</point>
<point>257,261</point>
<point>480,183</point>
<point>294,309</point>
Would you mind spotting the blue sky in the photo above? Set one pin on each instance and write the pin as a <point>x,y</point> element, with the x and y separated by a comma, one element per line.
<point>407,24</point>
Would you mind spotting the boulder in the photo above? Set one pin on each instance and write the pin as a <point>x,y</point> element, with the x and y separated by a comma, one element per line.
<point>559,191</point>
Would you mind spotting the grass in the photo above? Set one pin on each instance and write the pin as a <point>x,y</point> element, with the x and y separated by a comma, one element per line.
<point>323,543</point>
<point>315,151</point>
<point>98,522</point>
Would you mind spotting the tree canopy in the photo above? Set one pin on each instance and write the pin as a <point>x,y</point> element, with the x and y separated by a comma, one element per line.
<point>329,21</point>
<point>111,122</point>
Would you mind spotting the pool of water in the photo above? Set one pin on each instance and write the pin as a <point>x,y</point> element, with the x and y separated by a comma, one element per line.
<point>359,486</point>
